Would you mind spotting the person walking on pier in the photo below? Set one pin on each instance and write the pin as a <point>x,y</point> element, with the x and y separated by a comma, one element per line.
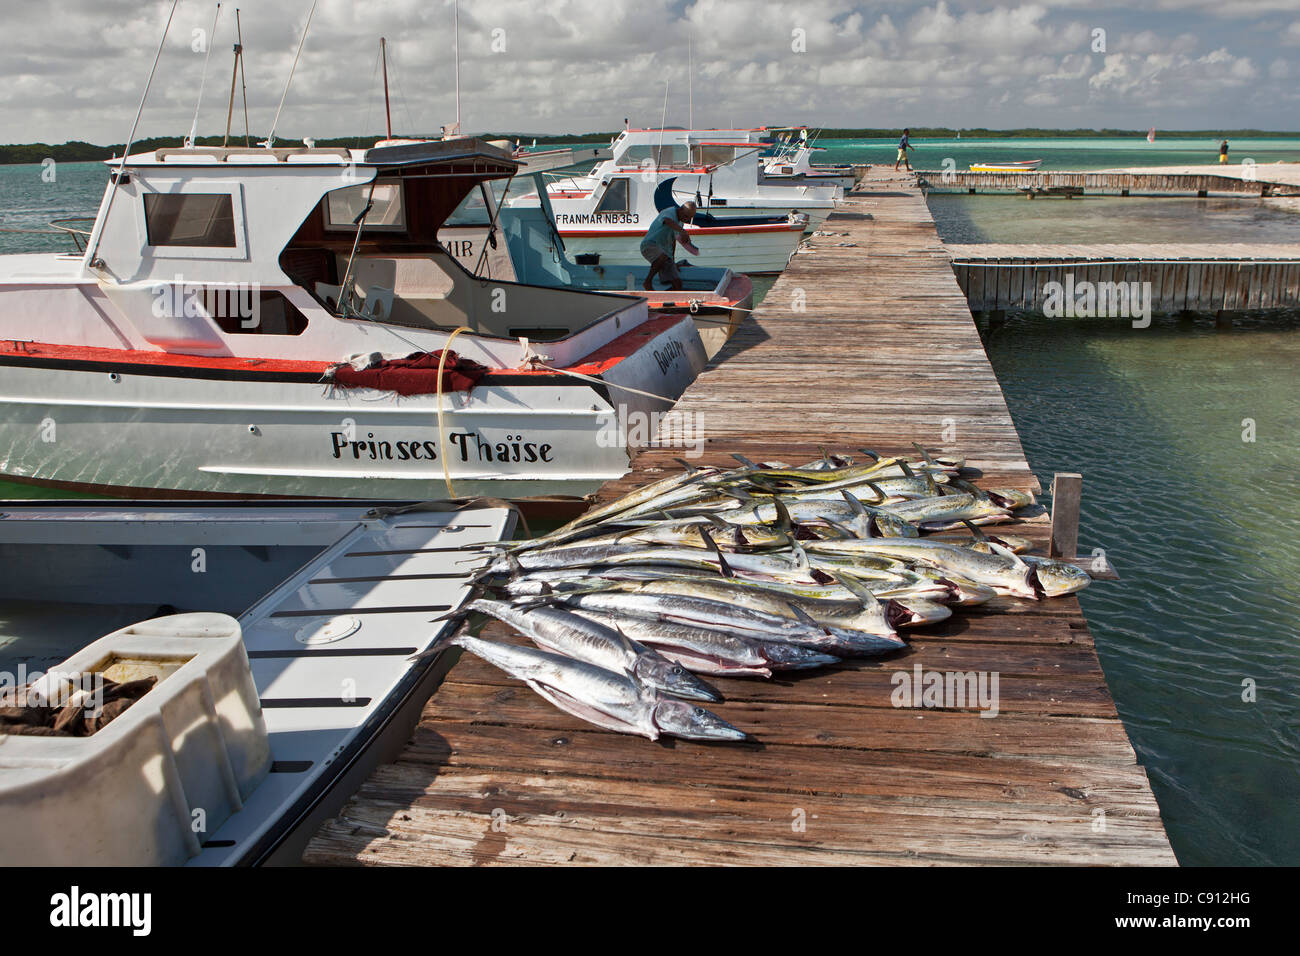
<point>1223,153</point>
<point>903,146</point>
<point>661,241</point>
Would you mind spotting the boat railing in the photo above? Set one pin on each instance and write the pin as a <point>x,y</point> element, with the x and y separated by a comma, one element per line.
<point>79,235</point>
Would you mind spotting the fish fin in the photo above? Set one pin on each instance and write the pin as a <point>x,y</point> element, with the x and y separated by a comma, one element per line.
<point>744,461</point>
<point>842,529</point>
<point>857,589</point>
<point>974,530</point>
<point>1007,553</point>
<point>877,489</point>
<point>870,454</point>
<point>690,469</point>
<point>712,545</point>
<point>783,520</point>
<point>907,469</point>
<point>925,455</point>
<point>853,501</point>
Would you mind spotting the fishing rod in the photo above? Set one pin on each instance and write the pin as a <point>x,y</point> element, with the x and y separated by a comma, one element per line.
<point>91,261</point>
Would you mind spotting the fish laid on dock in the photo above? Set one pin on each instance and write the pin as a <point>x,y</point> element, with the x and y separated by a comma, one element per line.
<point>748,571</point>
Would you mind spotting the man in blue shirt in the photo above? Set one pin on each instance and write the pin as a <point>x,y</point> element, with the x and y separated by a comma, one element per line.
<point>661,241</point>
<point>903,147</point>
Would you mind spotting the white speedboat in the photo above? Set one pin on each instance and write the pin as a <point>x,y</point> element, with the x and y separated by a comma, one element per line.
<point>195,345</point>
<point>280,639</point>
<point>742,224</point>
<point>788,162</point>
<point>1011,166</point>
<point>496,240</point>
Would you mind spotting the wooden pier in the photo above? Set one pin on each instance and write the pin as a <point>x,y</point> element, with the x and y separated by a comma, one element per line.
<point>1205,277</point>
<point>865,340</point>
<point>1103,182</point>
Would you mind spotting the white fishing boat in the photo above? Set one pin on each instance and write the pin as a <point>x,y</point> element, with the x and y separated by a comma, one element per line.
<point>196,344</point>
<point>788,162</point>
<point>496,240</point>
<point>280,639</point>
<point>742,224</point>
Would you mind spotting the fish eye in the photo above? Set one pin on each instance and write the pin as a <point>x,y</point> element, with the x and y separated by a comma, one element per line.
<point>699,711</point>
<point>677,669</point>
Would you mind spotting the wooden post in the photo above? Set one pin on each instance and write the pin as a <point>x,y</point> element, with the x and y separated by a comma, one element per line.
<point>1067,488</point>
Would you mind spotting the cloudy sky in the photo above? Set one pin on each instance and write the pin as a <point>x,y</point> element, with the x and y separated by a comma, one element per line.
<point>74,69</point>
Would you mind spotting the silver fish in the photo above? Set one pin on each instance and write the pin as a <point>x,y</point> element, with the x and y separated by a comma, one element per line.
<point>564,632</point>
<point>604,698</point>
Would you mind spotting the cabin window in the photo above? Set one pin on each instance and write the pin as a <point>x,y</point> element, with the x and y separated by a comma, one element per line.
<point>388,213</point>
<point>713,155</point>
<point>244,311</point>
<point>472,211</point>
<point>666,155</point>
<point>615,197</point>
<point>190,219</point>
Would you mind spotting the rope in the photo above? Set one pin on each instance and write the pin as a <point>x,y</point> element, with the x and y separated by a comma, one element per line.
<point>442,432</point>
<point>536,363</point>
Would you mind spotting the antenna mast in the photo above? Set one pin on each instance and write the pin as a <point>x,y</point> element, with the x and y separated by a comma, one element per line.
<point>388,116</point>
<point>236,72</point>
<point>194,126</point>
<point>90,260</point>
<point>455,29</point>
<point>270,139</point>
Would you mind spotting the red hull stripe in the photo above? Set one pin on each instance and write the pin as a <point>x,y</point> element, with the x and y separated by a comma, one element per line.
<point>237,368</point>
<point>694,231</point>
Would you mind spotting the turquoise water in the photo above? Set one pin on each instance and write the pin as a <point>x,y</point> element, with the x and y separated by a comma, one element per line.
<point>1201,526</point>
<point>1094,219</point>
<point>1070,154</point>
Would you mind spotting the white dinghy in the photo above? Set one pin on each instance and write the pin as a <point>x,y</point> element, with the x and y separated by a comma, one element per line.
<point>279,638</point>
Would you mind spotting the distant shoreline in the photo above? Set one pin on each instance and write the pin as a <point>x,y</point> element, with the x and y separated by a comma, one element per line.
<point>78,151</point>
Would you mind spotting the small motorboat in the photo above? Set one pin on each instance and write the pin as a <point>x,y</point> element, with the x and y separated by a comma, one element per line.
<point>275,643</point>
<point>1012,166</point>
<point>497,240</point>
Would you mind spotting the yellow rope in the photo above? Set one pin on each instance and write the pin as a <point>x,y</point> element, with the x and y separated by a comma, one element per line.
<point>442,431</point>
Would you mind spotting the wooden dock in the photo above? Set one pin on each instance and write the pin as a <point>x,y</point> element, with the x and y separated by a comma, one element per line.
<point>865,340</point>
<point>1104,182</point>
<point>1199,277</point>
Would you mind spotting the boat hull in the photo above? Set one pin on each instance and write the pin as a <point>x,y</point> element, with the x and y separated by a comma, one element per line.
<point>121,429</point>
<point>757,252</point>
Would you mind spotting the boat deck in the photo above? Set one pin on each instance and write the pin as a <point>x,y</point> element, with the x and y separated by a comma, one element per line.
<point>865,340</point>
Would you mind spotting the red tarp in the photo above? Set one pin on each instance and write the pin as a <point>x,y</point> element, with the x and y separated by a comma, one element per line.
<point>417,374</point>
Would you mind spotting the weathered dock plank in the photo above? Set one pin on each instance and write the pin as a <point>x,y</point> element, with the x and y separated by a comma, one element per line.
<point>864,345</point>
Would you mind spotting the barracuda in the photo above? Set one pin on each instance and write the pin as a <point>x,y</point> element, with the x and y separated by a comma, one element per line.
<point>601,697</point>
<point>717,653</point>
<point>685,532</point>
<point>566,633</point>
<point>701,612</point>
